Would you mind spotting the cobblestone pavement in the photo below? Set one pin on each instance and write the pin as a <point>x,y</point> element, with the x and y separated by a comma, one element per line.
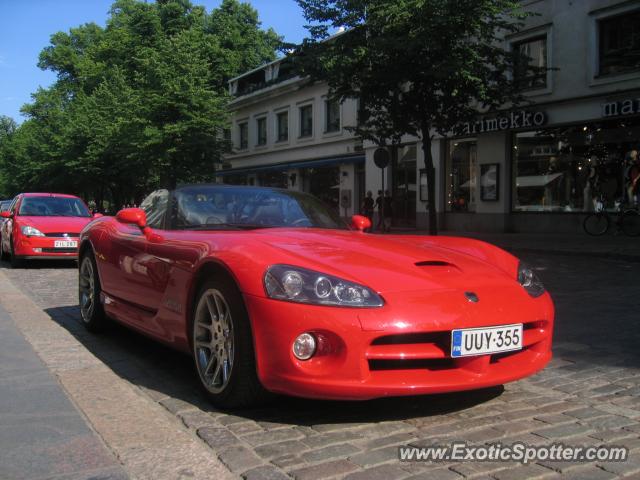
<point>589,395</point>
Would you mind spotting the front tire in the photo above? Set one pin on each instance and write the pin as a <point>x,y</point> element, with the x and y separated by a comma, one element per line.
<point>596,224</point>
<point>14,260</point>
<point>91,310</point>
<point>222,346</point>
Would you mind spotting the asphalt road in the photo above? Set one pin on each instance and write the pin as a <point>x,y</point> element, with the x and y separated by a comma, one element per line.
<point>588,396</point>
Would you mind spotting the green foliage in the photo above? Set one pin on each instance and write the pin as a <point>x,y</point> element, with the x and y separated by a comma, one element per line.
<point>418,66</point>
<point>137,104</point>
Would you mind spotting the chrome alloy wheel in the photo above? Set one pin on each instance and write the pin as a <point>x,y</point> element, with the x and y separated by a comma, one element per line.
<point>213,340</point>
<point>87,289</point>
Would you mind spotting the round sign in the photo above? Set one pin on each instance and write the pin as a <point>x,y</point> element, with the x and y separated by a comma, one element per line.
<point>381,157</point>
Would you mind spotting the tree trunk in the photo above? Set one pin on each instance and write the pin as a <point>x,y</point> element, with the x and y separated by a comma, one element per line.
<point>431,180</point>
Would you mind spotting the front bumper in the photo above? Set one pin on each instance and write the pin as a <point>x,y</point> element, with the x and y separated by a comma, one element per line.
<point>44,248</point>
<point>406,355</point>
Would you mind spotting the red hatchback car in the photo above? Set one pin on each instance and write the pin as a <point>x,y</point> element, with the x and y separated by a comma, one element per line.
<point>43,226</point>
<point>269,290</point>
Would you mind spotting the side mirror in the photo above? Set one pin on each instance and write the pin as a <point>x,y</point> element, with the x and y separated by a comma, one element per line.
<point>6,214</point>
<point>360,222</point>
<point>132,215</point>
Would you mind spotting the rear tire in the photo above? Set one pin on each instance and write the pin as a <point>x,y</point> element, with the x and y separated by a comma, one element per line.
<point>596,224</point>
<point>630,223</point>
<point>222,346</point>
<point>91,309</point>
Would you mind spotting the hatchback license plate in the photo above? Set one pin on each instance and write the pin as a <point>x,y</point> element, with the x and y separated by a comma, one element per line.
<point>65,244</point>
<point>480,341</point>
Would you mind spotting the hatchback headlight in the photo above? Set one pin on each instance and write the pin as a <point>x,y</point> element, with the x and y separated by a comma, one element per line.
<point>296,284</point>
<point>30,231</point>
<point>530,281</point>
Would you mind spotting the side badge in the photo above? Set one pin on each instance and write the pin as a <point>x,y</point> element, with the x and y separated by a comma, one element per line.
<point>472,297</point>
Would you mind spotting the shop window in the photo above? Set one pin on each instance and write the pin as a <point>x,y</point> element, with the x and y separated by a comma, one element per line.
<point>332,116</point>
<point>530,63</point>
<point>306,121</point>
<point>461,175</point>
<point>261,127</point>
<point>283,126</point>
<point>620,43</point>
<point>243,129</point>
<point>324,183</point>
<point>566,169</point>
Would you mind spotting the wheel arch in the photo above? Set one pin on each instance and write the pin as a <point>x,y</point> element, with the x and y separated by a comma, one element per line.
<point>211,268</point>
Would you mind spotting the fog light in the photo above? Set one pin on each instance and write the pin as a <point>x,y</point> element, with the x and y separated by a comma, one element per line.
<point>304,346</point>
<point>37,250</point>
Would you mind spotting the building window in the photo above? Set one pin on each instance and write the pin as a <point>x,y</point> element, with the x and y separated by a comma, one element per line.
<point>530,63</point>
<point>306,121</point>
<point>620,43</point>
<point>462,159</point>
<point>566,169</point>
<point>332,116</point>
<point>243,128</point>
<point>261,128</point>
<point>283,126</point>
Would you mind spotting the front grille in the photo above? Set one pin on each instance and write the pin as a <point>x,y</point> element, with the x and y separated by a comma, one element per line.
<point>432,350</point>
<point>59,250</point>
<point>432,364</point>
<point>62,234</point>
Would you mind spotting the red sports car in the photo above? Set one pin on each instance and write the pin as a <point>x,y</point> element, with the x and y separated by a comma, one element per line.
<point>270,291</point>
<point>43,226</point>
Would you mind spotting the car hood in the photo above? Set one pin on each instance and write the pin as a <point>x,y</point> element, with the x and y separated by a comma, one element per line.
<point>55,224</point>
<point>390,263</point>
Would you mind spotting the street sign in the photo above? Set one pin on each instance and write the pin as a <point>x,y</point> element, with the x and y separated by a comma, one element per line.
<point>381,157</point>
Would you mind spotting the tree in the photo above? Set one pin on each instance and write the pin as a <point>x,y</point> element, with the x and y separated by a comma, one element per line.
<point>139,103</point>
<point>418,67</point>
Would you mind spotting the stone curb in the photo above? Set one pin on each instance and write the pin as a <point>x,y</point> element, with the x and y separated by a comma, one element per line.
<point>148,441</point>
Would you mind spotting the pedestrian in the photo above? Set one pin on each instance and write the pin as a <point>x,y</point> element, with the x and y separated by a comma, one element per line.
<point>367,206</point>
<point>387,211</point>
<point>379,206</point>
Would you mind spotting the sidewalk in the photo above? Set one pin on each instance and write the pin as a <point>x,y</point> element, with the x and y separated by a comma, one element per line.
<point>42,435</point>
<point>614,246</point>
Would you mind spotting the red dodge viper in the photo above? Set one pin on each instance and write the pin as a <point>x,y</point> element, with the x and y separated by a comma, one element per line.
<point>269,291</point>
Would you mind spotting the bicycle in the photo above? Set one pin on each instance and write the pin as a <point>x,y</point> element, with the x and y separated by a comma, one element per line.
<point>598,223</point>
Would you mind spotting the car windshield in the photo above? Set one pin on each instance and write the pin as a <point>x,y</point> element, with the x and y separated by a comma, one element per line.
<point>4,206</point>
<point>226,207</point>
<point>53,207</point>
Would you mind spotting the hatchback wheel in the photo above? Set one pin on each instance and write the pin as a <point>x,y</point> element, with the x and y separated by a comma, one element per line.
<point>223,347</point>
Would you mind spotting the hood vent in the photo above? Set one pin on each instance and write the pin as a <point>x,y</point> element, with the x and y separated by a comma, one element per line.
<point>434,263</point>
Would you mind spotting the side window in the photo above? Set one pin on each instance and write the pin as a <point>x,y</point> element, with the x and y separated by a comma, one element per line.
<point>14,203</point>
<point>155,206</point>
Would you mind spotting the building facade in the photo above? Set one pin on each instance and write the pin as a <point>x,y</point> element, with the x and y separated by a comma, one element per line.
<point>536,168</point>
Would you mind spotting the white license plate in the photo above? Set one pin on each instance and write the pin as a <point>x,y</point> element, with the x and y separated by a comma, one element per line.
<point>65,244</point>
<point>480,341</point>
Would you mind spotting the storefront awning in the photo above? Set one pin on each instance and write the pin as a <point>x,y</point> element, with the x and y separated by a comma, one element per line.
<point>322,162</point>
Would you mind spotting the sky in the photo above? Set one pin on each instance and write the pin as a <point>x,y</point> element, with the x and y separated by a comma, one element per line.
<point>26,26</point>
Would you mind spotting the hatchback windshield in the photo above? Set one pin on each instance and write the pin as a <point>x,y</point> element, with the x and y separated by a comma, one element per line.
<point>216,207</point>
<point>53,207</point>
<point>4,205</point>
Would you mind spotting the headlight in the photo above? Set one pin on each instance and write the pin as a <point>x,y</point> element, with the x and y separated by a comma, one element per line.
<point>295,284</point>
<point>530,281</point>
<point>29,231</point>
